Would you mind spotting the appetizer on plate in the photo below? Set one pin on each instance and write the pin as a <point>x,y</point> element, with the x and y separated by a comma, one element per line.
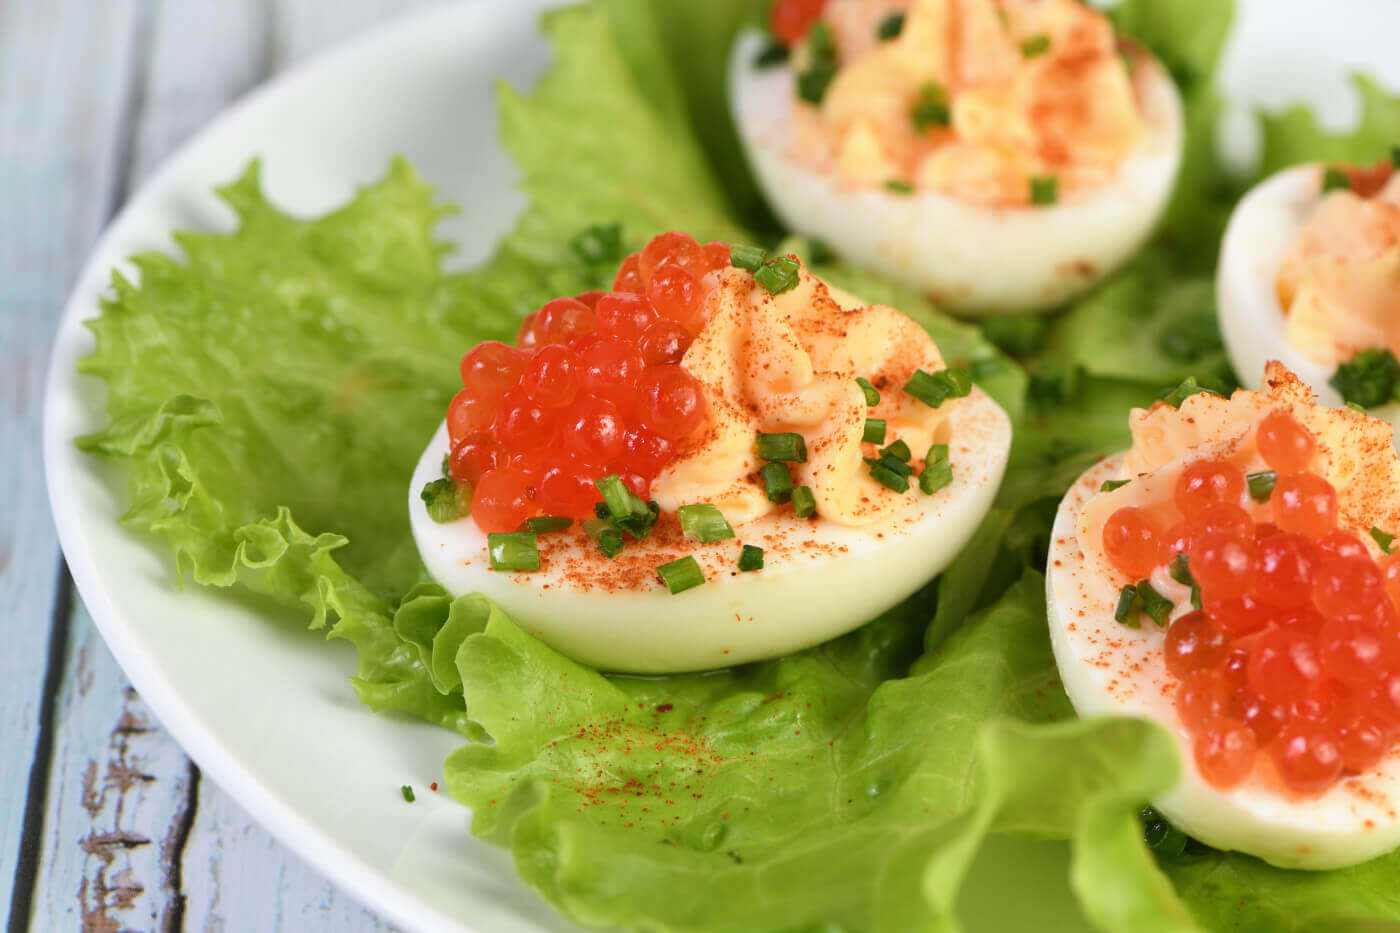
<point>1229,577</point>
<point>721,460</point>
<point>1309,274</point>
<point>1002,155</point>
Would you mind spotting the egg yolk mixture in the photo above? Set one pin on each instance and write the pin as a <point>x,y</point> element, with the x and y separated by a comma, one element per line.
<point>995,102</point>
<point>710,378</point>
<point>1252,532</point>
<point>1339,285</point>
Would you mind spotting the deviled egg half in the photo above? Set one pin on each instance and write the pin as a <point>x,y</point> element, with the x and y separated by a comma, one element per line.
<point>1001,155</point>
<point>722,460</point>
<point>1309,274</point>
<point>1227,576</point>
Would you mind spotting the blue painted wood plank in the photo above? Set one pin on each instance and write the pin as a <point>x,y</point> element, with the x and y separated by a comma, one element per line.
<point>60,157</point>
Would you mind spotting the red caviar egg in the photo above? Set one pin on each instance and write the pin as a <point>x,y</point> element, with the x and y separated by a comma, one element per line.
<point>1283,665</point>
<point>501,501</point>
<point>1307,756</point>
<point>1205,482</point>
<point>490,369</point>
<point>675,293</point>
<point>1131,541</point>
<point>551,376</point>
<point>563,319</point>
<point>664,342</point>
<point>610,368</point>
<point>1201,696</point>
<point>1304,503</point>
<point>672,402</point>
<point>790,20</point>
<point>1223,563</point>
<point>1194,642</point>
<point>1284,443</point>
<point>467,414</point>
<point>624,315</point>
<point>1284,568</point>
<point>474,455</point>
<point>1224,751</point>
<point>678,248</point>
<point>629,276</point>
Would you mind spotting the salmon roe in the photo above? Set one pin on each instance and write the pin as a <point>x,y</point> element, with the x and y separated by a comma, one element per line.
<point>592,386</point>
<point>1295,656</point>
<point>790,20</point>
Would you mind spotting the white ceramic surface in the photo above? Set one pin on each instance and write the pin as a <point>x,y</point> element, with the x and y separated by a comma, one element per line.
<point>268,712</point>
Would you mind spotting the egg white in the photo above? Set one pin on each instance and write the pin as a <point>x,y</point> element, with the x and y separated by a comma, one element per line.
<point>807,592</point>
<point>1110,669</point>
<point>1260,234</point>
<point>968,257</point>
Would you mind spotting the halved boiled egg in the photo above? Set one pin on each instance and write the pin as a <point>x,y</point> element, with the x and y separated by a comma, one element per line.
<point>1309,275</point>
<point>999,156</point>
<point>1219,578</point>
<point>810,461</point>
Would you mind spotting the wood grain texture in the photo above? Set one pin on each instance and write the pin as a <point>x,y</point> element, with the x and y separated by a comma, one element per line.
<point>61,153</point>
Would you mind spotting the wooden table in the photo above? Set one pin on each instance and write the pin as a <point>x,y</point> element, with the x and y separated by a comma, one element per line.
<point>105,824</point>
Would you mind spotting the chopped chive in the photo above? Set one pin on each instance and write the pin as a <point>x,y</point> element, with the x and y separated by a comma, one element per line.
<point>1357,407</point>
<point>681,575</point>
<point>598,243</point>
<point>1395,156</point>
<point>874,431</point>
<point>443,501</point>
<point>1111,484</point>
<point>1383,539</point>
<point>407,792</point>
<point>804,504</point>
<point>1035,45</point>
<point>899,450</point>
<point>931,107</point>
<point>545,524</point>
<point>933,389</point>
<point>1180,571</point>
<point>623,508</point>
<point>747,257</point>
<point>821,64</point>
<point>1045,189</point>
<point>772,53</point>
<point>1156,606</point>
<point>1187,388</point>
<point>1127,602</point>
<point>1334,178</point>
<point>789,447</point>
<point>938,470</point>
<point>513,550</point>
<point>890,27</point>
<point>1261,485</point>
<point>893,464</point>
<point>608,538</point>
<point>778,274</point>
<point>899,186</point>
<point>872,394</point>
<point>750,558</point>
<point>1369,378</point>
<point>777,482</point>
<point>1164,839</point>
<point>704,523</point>
<point>886,477</point>
<point>446,466</point>
<point>642,519</point>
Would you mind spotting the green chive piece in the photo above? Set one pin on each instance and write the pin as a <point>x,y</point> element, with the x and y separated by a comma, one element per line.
<point>777,482</point>
<point>1035,45</point>
<point>1156,606</point>
<point>750,558</point>
<point>681,575</point>
<point>443,501</point>
<point>1369,378</point>
<point>772,53</point>
<point>874,431</point>
<point>1180,571</point>
<point>938,470</point>
<point>872,394</point>
<point>887,477</point>
<point>1383,539</point>
<point>704,523</point>
<point>1111,484</point>
<point>899,186</point>
<point>608,538</point>
<point>899,450</point>
<point>1334,178</point>
<point>821,64</point>
<point>931,107</point>
<point>890,27</point>
<point>933,389</point>
<point>892,464</point>
<point>1261,485</point>
<point>513,550</point>
<point>1395,156</point>
<point>599,243</point>
<point>1164,839</point>
<point>407,793</point>
<point>545,524</point>
<point>642,519</point>
<point>788,448</point>
<point>747,257</point>
<point>778,274</point>
<point>616,496</point>
<point>1045,189</point>
<point>1188,387</point>
<point>1127,601</point>
<point>804,504</point>
<point>446,466</point>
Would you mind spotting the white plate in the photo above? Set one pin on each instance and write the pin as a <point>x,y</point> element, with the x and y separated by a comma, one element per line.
<point>292,744</point>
